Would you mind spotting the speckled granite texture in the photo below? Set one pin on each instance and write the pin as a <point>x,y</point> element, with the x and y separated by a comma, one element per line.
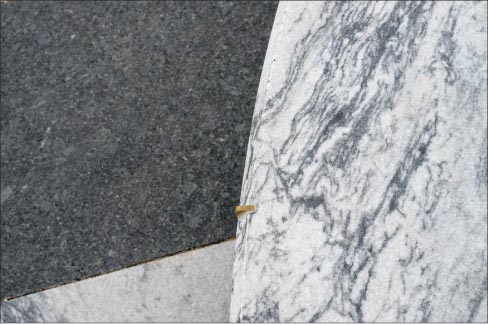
<point>123,131</point>
<point>180,288</point>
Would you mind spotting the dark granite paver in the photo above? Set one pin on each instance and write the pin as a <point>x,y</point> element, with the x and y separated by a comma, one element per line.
<point>123,131</point>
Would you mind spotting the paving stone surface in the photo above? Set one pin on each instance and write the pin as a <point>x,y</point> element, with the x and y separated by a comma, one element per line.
<point>193,286</point>
<point>124,127</point>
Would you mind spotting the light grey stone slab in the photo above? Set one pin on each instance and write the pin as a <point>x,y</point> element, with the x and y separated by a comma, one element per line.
<point>189,287</point>
<point>367,162</point>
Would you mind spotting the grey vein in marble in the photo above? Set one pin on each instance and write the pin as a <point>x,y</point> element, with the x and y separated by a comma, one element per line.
<point>367,161</point>
<point>190,287</point>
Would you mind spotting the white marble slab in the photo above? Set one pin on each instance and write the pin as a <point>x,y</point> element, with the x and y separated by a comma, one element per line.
<point>367,161</point>
<point>189,287</point>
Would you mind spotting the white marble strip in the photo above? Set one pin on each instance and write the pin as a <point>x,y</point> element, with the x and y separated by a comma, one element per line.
<point>367,161</point>
<point>189,287</point>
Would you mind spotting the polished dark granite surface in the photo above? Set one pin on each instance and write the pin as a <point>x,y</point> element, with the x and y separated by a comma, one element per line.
<point>123,131</point>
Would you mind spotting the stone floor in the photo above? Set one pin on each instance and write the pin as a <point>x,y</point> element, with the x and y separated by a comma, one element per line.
<point>193,286</point>
<point>123,131</point>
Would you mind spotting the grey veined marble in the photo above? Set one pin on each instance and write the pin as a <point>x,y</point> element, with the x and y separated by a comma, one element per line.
<point>367,161</point>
